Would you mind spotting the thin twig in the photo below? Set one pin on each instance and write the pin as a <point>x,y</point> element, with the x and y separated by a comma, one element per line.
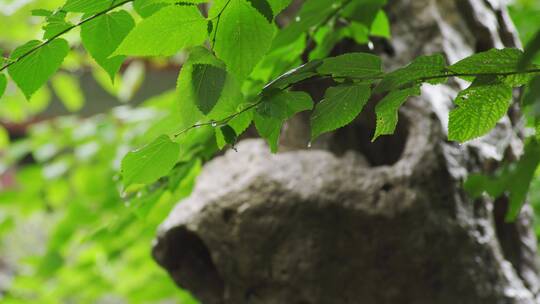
<point>325,21</point>
<point>218,17</point>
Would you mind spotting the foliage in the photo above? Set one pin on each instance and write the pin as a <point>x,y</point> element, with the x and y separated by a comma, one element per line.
<point>241,68</point>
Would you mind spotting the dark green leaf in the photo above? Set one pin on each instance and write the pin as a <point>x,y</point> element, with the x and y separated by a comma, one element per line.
<point>492,61</point>
<point>429,69</point>
<point>387,110</point>
<point>264,8</point>
<point>339,107</point>
<point>275,109</point>
<point>363,11</point>
<point>229,134</point>
<point>512,178</point>
<point>207,82</point>
<point>532,49</point>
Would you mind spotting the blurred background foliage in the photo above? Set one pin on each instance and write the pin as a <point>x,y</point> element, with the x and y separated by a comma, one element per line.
<point>68,231</point>
<point>526,16</point>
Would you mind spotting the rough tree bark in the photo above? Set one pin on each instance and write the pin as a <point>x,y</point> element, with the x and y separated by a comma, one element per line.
<point>353,222</point>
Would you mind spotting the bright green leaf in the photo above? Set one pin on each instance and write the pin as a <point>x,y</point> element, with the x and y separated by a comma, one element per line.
<point>69,91</point>
<point>3,84</point>
<point>479,108</point>
<point>89,6</point>
<point>242,38</point>
<point>4,138</point>
<point>148,164</point>
<point>103,35</point>
<point>381,26</point>
<point>165,33</point>
<point>146,8</point>
<point>339,107</point>
<point>32,71</point>
<point>56,24</point>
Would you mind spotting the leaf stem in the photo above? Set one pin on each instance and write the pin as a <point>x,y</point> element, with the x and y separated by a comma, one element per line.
<point>29,52</point>
<point>225,120</point>
<point>221,122</point>
<point>218,17</point>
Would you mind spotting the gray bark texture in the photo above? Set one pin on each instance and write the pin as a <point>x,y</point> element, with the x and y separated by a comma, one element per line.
<point>349,221</point>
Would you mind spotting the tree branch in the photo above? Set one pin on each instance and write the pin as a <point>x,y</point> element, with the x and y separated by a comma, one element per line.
<point>29,52</point>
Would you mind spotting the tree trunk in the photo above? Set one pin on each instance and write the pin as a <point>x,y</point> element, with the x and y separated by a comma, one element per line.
<point>350,221</point>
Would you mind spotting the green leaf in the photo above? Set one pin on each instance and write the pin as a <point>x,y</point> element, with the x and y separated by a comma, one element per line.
<point>32,71</point>
<point>146,8</point>
<point>148,164</point>
<point>242,37</point>
<point>41,13</point>
<point>532,94</point>
<point>279,5</point>
<point>229,99</point>
<point>381,26</point>
<point>339,107</point>
<point>3,84</point>
<point>532,49</point>
<point>387,110</point>
<point>326,39</point>
<point>363,11</point>
<point>208,82</point>
<point>56,24</point>
<point>264,8</point>
<point>523,175</point>
<point>492,61</point>
<point>103,35</point>
<point>165,33</point>
<point>275,109</point>
<point>69,91</point>
<point>89,6</point>
<point>226,135</point>
<point>295,75</point>
<point>359,65</point>
<point>479,108</point>
<point>418,71</point>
